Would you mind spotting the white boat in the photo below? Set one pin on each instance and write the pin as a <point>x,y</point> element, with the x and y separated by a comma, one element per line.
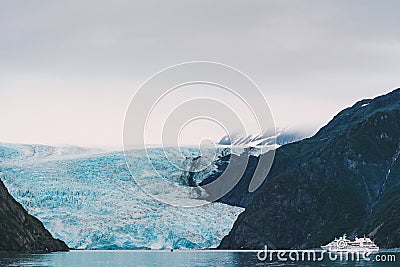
<point>342,244</point>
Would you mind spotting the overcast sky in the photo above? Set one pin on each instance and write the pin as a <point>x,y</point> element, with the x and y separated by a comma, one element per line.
<point>68,69</point>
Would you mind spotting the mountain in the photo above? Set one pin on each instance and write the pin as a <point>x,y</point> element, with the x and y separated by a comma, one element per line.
<point>344,179</point>
<point>239,195</point>
<point>279,137</point>
<point>22,232</point>
<point>245,149</point>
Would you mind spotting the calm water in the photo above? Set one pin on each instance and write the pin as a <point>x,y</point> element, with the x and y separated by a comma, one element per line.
<point>161,258</point>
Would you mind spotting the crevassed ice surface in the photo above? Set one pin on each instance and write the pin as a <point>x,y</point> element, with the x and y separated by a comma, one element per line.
<point>89,199</point>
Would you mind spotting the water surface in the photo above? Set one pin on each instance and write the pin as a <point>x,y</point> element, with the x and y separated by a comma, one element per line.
<point>167,258</point>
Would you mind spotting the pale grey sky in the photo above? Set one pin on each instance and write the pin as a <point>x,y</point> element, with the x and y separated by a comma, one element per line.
<point>68,69</point>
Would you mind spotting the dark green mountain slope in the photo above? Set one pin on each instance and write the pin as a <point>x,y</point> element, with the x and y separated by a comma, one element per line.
<point>345,179</point>
<point>22,232</point>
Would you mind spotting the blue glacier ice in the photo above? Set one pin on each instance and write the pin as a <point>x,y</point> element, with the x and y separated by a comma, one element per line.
<point>88,198</point>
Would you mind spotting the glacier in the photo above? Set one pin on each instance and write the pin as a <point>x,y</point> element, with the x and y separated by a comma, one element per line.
<point>89,199</point>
